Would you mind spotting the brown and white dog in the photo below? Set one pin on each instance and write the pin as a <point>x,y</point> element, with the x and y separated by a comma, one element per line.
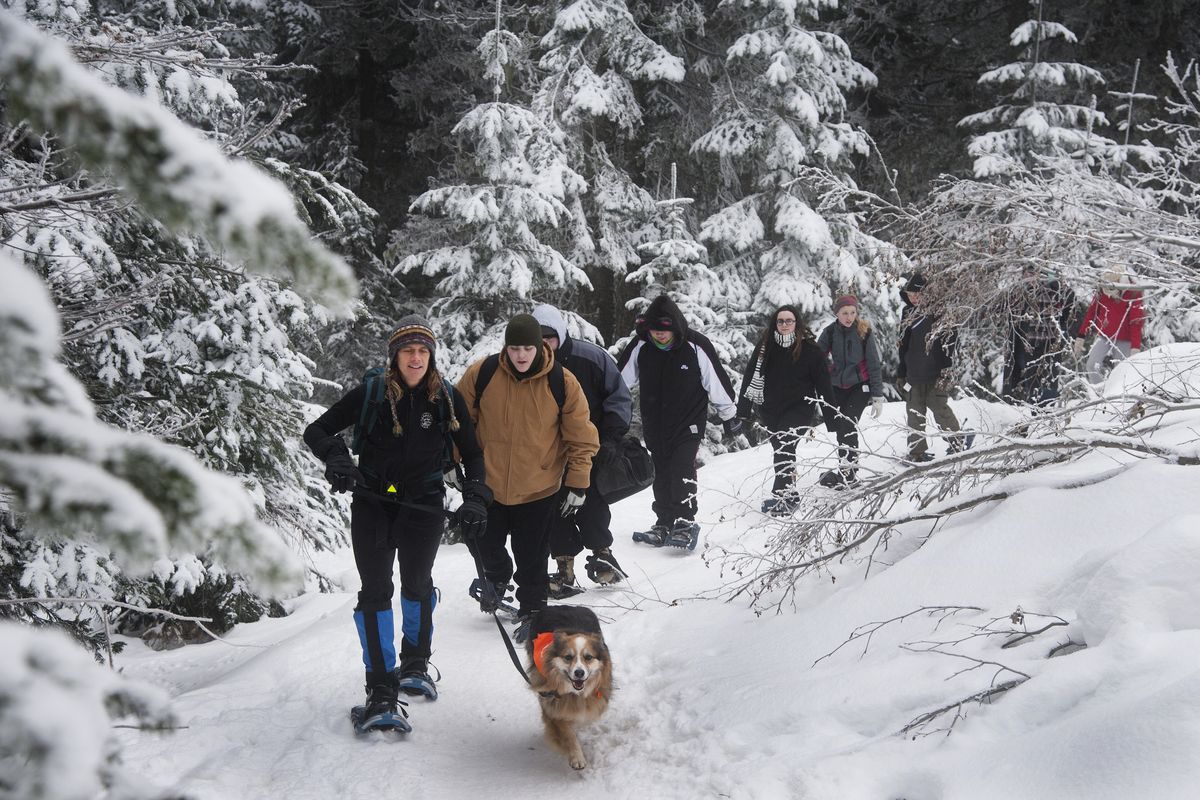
<point>571,672</point>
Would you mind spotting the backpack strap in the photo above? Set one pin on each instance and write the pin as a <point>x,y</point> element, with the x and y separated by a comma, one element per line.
<point>369,414</point>
<point>558,382</point>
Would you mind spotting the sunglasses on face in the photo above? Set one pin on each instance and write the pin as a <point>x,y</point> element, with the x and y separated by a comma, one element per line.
<point>659,323</point>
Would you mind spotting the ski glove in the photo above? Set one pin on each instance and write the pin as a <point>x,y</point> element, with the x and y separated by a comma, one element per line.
<point>876,407</point>
<point>733,426</point>
<point>472,517</point>
<point>607,452</point>
<point>572,503</point>
<point>341,472</point>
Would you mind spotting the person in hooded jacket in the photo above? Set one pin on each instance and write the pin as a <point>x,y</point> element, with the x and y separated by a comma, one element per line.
<point>857,378</point>
<point>538,457</point>
<point>786,379</point>
<point>920,375</point>
<point>610,408</point>
<point>679,374</point>
<point>1115,315</point>
<point>403,454</point>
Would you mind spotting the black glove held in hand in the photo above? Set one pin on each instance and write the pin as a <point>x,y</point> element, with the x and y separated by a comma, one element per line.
<point>472,517</point>
<point>341,472</point>
<point>733,426</point>
<point>609,448</point>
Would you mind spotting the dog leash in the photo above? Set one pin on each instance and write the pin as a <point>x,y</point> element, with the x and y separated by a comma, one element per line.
<point>484,584</point>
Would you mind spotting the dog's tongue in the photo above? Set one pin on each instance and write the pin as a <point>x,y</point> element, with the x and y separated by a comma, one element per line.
<point>578,685</point>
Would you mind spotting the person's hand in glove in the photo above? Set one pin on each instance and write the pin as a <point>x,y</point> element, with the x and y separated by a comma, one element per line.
<point>733,426</point>
<point>744,409</point>
<point>1077,348</point>
<point>609,448</point>
<point>901,382</point>
<point>472,515</point>
<point>876,407</point>
<point>572,502</point>
<point>341,472</point>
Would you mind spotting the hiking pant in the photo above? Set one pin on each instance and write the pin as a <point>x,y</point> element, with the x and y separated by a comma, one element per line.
<point>924,399</point>
<point>381,536</point>
<point>529,526</point>
<point>783,448</point>
<point>588,528</point>
<point>675,480</point>
<point>1101,349</point>
<point>842,421</point>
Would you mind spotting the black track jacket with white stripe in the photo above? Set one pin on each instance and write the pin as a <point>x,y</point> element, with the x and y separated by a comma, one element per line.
<point>678,383</point>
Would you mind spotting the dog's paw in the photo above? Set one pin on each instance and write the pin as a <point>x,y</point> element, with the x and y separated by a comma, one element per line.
<point>577,761</point>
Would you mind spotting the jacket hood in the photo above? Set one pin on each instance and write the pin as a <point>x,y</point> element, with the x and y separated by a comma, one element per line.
<point>551,317</point>
<point>664,306</point>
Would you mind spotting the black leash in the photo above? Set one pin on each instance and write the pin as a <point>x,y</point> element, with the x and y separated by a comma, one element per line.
<point>485,586</point>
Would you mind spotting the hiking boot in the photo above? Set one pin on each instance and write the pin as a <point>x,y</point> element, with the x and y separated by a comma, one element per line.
<point>656,536</point>
<point>920,459</point>
<point>382,699</point>
<point>603,569</point>
<point>684,534</point>
<point>562,583</point>
<point>833,479</point>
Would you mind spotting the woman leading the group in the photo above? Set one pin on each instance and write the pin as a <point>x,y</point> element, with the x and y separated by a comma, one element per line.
<point>785,381</point>
<point>405,419</point>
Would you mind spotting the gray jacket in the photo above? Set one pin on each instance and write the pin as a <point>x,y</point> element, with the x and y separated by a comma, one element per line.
<point>848,353</point>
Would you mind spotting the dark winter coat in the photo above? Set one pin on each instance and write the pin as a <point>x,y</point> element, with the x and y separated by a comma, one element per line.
<point>678,383</point>
<point>922,358</point>
<point>791,388</point>
<point>413,461</point>
<point>609,402</point>
<point>851,355</point>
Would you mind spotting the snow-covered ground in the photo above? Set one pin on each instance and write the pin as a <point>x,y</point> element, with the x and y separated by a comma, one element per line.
<point>716,701</point>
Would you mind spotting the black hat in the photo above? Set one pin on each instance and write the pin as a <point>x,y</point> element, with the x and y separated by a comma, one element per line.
<point>916,283</point>
<point>523,331</point>
<point>549,332</point>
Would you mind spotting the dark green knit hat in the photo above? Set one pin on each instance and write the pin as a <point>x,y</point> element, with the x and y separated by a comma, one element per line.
<point>523,331</point>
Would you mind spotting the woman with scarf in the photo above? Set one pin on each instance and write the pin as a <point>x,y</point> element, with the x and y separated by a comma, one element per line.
<point>785,382</point>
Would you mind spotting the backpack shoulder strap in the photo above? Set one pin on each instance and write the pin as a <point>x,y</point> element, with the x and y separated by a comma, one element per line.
<point>484,376</point>
<point>558,385</point>
<point>373,395</point>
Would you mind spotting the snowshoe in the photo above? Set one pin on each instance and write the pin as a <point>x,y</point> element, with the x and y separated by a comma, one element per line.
<point>655,537</point>
<point>418,684</point>
<point>779,506</point>
<point>562,583</point>
<point>603,569</point>
<point>685,536</point>
<point>491,598</point>
<point>833,479</point>
<point>383,711</point>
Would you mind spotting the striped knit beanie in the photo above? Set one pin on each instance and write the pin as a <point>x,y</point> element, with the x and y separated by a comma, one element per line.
<point>413,329</point>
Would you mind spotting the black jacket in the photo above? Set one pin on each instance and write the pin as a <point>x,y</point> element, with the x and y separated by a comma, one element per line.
<point>922,359</point>
<point>412,461</point>
<point>608,398</point>
<point>790,388</point>
<point>678,383</point>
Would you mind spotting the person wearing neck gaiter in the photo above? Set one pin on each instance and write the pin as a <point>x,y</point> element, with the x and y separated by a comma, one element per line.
<point>786,378</point>
<point>680,375</point>
<point>538,457</point>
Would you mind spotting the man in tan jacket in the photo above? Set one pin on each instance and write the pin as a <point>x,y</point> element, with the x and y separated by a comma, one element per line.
<point>532,419</point>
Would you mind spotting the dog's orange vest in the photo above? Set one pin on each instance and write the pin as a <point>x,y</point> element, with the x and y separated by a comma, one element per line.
<point>540,643</point>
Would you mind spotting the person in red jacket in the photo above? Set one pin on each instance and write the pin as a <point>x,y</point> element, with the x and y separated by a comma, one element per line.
<point>1116,316</point>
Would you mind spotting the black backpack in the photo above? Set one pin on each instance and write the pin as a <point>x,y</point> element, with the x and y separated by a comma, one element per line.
<point>558,383</point>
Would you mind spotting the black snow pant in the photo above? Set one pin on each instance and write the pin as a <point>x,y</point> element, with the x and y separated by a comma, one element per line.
<point>675,480</point>
<point>588,528</point>
<point>529,526</point>
<point>842,420</point>
<point>381,536</point>
<point>783,447</point>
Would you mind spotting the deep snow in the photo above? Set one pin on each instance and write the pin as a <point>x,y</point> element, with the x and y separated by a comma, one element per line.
<point>716,701</point>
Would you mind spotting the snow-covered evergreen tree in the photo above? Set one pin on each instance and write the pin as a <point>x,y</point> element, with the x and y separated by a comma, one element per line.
<point>172,338</point>
<point>597,63</point>
<point>1048,109</point>
<point>780,119</point>
<point>501,242</point>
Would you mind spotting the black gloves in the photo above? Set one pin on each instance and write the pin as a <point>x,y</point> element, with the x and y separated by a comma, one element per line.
<point>472,514</point>
<point>572,502</point>
<point>733,426</point>
<point>341,472</point>
<point>744,409</point>
<point>609,449</point>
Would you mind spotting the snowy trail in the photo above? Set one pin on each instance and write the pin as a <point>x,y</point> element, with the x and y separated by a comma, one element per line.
<point>714,701</point>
